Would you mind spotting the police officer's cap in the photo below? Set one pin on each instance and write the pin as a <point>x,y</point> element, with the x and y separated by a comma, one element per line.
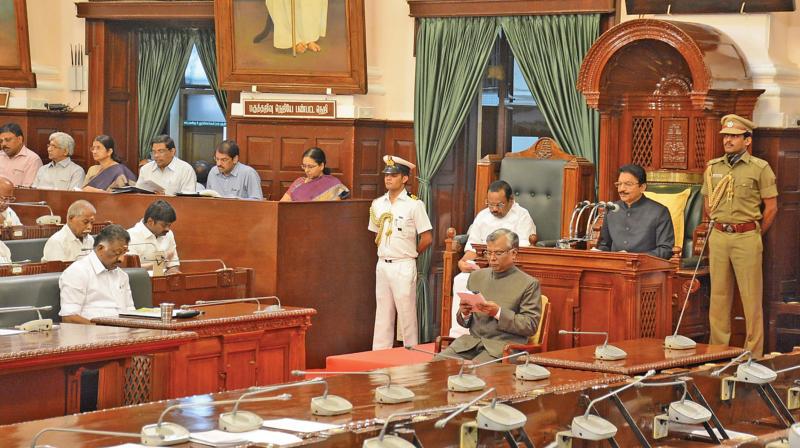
<point>734,124</point>
<point>396,165</point>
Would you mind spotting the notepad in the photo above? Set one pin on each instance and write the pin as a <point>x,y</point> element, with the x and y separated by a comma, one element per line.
<point>471,299</point>
<point>299,426</point>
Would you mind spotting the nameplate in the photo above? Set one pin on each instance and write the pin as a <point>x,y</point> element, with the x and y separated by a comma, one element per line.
<point>290,108</point>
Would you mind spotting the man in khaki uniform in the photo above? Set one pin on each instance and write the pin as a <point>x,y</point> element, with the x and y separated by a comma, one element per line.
<point>735,186</point>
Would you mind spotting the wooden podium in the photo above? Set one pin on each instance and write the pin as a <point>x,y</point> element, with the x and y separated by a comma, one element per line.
<point>626,294</point>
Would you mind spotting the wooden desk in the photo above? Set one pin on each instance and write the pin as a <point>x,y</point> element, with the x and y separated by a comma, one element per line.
<point>310,254</point>
<point>40,372</point>
<point>643,355</point>
<point>187,287</point>
<point>428,381</point>
<point>235,349</point>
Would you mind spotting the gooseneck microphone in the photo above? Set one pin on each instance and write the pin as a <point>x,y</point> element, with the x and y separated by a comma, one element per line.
<point>51,219</point>
<point>257,300</point>
<point>326,404</point>
<point>572,228</point>
<point>33,325</point>
<point>388,393</point>
<point>441,423</point>
<point>81,431</point>
<point>243,421</point>
<point>749,372</point>
<point>683,411</point>
<point>461,382</point>
<point>604,351</point>
<point>578,219</point>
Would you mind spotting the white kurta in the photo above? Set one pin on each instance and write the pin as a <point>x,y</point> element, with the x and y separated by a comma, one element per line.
<point>9,218</point>
<point>145,244</point>
<point>65,246</point>
<point>90,290</point>
<point>177,177</point>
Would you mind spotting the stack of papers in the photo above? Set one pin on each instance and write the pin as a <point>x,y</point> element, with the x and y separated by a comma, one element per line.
<point>222,438</point>
<point>298,426</point>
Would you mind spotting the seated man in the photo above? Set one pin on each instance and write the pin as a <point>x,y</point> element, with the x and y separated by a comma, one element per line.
<point>73,241</point>
<point>201,169</point>
<point>18,163</point>
<point>231,178</point>
<point>501,211</point>
<point>152,240</point>
<point>61,173</point>
<point>172,174</point>
<point>513,304</point>
<point>641,224</point>
<point>5,253</point>
<point>94,286</point>
<point>7,216</point>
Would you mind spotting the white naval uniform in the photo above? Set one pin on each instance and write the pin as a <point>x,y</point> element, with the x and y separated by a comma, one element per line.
<point>396,271</point>
<point>65,246</point>
<point>517,220</point>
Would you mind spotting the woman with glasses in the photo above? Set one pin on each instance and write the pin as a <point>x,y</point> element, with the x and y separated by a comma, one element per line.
<point>109,172</point>
<point>318,184</point>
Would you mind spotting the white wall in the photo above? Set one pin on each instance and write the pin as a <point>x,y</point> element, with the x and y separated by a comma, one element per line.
<point>768,42</point>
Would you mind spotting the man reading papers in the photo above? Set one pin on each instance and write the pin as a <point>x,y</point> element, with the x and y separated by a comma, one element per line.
<point>512,308</point>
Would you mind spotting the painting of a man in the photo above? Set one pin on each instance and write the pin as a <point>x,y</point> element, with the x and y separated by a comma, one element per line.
<point>310,23</point>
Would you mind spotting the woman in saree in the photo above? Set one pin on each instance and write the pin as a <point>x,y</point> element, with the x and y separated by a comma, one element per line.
<point>318,184</point>
<point>109,172</point>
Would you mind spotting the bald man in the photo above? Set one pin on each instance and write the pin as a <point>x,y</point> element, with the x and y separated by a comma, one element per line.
<point>74,240</point>
<point>7,216</point>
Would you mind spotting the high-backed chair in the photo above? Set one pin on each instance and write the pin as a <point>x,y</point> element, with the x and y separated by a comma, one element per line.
<point>546,181</point>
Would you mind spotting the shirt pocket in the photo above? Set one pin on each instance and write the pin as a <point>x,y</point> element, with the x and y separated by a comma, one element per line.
<point>745,188</point>
<point>409,227</point>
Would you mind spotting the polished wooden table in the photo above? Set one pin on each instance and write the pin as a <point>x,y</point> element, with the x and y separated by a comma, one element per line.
<point>236,348</point>
<point>427,380</point>
<point>40,372</point>
<point>643,355</point>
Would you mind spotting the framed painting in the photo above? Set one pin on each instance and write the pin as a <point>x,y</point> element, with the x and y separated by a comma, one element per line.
<point>15,53</point>
<point>297,46</point>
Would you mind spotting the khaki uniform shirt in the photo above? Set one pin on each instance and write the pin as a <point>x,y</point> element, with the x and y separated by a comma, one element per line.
<point>753,180</point>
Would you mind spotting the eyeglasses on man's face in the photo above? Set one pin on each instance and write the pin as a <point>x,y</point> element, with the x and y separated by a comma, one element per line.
<point>495,253</point>
<point>626,184</point>
<point>495,204</point>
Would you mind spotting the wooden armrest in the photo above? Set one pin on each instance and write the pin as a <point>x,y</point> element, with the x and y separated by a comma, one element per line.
<point>440,340</point>
<point>533,239</point>
<point>530,348</point>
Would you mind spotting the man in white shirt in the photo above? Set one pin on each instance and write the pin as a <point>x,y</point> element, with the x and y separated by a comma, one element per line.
<point>501,212</point>
<point>74,240</point>
<point>61,173</point>
<point>153,241</point>
<point>172,174</point>
<point>5,253</point>
<point>95,286</point>
<point>7,216</point>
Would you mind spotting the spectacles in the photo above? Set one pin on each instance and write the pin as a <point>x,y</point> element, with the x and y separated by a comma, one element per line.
<point>495,253</point>
<point>497,205</point>
<point>7,199</point>
<point>159,151</point>
<point>223,159</point>
<point>308,167</point>
<point>627,184</point>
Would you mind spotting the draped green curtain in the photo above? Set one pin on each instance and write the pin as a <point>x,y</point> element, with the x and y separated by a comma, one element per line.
<point>205,41</point>
<point>163,55</point>
<point>451,56</point>
<point>549,51</point>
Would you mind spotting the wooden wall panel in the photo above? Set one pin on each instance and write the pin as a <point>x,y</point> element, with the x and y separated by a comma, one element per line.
<point>37,125</point>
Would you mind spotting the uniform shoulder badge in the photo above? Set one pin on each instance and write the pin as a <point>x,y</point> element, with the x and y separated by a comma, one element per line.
<point>761,163</point>
<point>717,160</point>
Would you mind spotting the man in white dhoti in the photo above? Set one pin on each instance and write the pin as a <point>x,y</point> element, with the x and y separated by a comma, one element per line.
<point>310,24</point>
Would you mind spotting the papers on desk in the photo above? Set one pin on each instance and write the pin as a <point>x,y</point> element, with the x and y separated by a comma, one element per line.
<point>146,313</point>
<point>699,431</point>
<point>222,438</point>
<point>9,331</point>
<point>471,299</point>
<point>299,426</point>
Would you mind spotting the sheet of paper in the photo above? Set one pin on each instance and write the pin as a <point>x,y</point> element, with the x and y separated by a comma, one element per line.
<point>471,299</point>
<point>149,185</point>
<point>301,426</point>
<point>272,437</point>
<point>216,438</point>
<point>9,331</point>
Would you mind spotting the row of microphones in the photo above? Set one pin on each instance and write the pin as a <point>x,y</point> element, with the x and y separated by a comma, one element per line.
<point>257,300</point>
<point>33,325</point>
<point>604,351</point>
<point>467,382</point>
<point>749,371</point>
<point>50,219</point>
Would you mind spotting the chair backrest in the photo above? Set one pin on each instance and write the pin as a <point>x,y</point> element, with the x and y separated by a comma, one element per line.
<point>543,328</point>
<point>692,214</point>
<point>29,249</point>
<point>538,186</point>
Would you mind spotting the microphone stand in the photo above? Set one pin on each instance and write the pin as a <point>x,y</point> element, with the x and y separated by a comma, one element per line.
<point>159,261</point>
<point>604,351</point>
<point>572,230</point>
<point>257,300</point>
<point>42,220</point>
<point>81,431</point>
<point>461,382</point>
<point>243,421</point>
<point>33,325</point>
<point>200,260</point>
<point>326,405</point>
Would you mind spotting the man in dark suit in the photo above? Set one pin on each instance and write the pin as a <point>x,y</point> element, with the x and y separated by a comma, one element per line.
<point>513,304</point>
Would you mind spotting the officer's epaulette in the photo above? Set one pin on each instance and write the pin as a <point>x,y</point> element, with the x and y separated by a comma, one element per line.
<point>414,197</point>
<point>761,163</point>
<point>717,160</point>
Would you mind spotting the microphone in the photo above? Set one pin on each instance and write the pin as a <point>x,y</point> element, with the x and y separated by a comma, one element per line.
<point>604,351</point>
<point>492,417</point>
<point>81,431</point>
<point>571,228</point>
<point>683,411</point>
<point>676,341</point>
<point>594,427</point>
<point>159,259</point>
<point>326,404</point>
<point>42,220</point>
<point>612,206</point>
<point>257,300</point>
<point>32,325</point>
<point>168,433</point>
<point>442,422</point>
<point>527,371</point>
<point>578,219</point>
<point>200,260</point>
<point>461,382</point>
<point>388,393</point>
<point>243,421</point>
<point>749,372</point>
<point>392,441</point>
<point>592,219</point>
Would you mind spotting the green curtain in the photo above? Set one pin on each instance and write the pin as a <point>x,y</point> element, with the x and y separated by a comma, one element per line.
<point>451,56</point>
<point>205,41</point>
<point>163,55</point>
<point>549,51</point>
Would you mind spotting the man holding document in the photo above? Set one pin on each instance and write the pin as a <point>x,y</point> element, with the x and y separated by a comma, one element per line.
<point>166,174</point>
<point>505,306</point>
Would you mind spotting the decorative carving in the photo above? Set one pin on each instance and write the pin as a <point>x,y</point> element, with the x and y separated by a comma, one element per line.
<point>675,141</point>
<point>673,85</point>
<point>648,305</point>
<point>699,142</point>
<point>642,141</point>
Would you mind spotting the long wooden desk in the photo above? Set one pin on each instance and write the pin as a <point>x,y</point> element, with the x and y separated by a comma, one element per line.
<point>643,355</point>
<point>40,372</point>
<point>236,349</point>
<point>187,287</point>
<point>310,254</point>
